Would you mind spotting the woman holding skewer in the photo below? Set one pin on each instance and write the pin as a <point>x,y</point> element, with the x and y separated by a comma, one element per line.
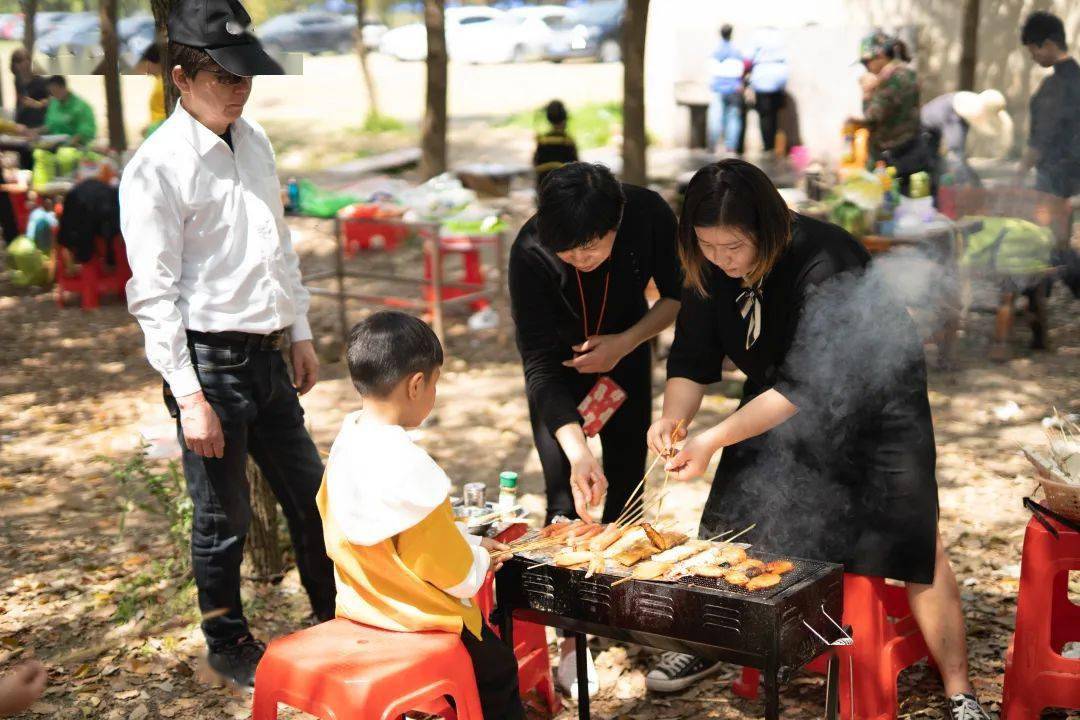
<point>578,274</point>
<point>831,451</point>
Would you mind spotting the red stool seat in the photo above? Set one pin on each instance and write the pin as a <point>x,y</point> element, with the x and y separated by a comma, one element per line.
<point>887,641</point>
<point>472,272</point>
<point>1036,675</point>
<point>341,669</point>
<point>90,280</point>
<point>370,232</point>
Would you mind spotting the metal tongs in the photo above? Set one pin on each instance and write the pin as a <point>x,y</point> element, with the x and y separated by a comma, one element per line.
<point>844,640</point>
<point>1042,512</point>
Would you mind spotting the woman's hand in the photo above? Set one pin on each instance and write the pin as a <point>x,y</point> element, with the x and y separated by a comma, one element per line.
<point>662,437</point>
<point>692,460</point>
<point>587,483</point>
<point>494,546</point>
<point>599,354</point>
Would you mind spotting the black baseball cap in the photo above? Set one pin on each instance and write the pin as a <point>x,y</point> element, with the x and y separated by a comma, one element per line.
<point>220,27</point>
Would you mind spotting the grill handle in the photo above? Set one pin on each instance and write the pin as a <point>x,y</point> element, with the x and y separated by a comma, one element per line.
<point>843,640</point>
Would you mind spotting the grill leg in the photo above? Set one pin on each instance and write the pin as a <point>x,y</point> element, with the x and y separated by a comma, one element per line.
<point>772,690</point>
<point>581,650</point>
<point>832,688</point>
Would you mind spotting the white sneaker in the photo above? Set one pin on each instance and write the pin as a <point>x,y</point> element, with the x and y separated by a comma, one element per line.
<point>566,674</point>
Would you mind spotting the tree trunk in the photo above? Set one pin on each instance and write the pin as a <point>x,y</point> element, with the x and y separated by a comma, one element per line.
<point>110,44</point>
<point>361,51</point>
<point>433,142</point>
<point>161,10</point>
<point>263,546</point>
<point>969,45</point>
<point>29,8</point>
<point>636,19</point>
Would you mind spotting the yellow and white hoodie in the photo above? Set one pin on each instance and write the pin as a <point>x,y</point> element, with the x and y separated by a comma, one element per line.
<point>400,561</point>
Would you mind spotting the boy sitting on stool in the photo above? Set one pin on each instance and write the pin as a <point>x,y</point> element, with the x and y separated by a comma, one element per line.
<point>400,561</point>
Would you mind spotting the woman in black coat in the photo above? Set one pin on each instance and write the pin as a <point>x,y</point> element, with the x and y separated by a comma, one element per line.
<point>578,273</point>
<point>831,451</point>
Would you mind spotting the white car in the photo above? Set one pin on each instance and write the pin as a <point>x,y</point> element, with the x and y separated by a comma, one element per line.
<point>409,42</point>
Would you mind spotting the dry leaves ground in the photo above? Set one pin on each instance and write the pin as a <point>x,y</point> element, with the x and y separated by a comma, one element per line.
<point>113,620</point>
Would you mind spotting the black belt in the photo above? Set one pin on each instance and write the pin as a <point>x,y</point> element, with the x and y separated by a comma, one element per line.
<point>236,339</point>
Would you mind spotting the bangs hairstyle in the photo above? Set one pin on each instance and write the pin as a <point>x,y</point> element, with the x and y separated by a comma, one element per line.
<point>578,203</point>
<point>190,59</point>
<point>737,195</point>
<point>388,347</point>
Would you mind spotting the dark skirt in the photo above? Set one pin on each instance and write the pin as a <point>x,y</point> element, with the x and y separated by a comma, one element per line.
<point>864,495</point>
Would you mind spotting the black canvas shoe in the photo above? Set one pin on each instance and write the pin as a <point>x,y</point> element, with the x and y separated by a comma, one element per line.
<point>965,706</point>
<point>236,663</point>
<point>677,671</point>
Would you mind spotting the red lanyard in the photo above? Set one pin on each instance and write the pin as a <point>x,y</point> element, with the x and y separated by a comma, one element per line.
<point>585,308</point>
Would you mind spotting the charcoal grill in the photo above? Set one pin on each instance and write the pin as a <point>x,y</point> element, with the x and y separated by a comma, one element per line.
<point>772,630</point>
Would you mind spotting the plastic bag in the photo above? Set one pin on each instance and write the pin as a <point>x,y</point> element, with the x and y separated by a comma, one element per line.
<point>316,202</point>
<point>28,264</point>
<point>1009,245</point>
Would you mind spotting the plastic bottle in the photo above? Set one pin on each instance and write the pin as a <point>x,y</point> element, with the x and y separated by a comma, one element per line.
<point>294,196</point>
<point>507,490</point>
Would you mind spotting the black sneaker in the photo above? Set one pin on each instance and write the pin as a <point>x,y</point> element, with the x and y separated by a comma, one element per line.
<point>677,671</point>
<point>236,663</point>
<point>965,706</point>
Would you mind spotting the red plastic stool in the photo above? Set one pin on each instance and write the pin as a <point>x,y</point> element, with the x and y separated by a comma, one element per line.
<point>1036,675</point>
<point>341,669</point>
<point>530,639</point>
<point>364,228</point>
<point>90,280</point>
<point>887,641</point>
<point>472,272</point>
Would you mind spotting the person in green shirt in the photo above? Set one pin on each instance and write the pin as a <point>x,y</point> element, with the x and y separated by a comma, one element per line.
<point>69,114</point>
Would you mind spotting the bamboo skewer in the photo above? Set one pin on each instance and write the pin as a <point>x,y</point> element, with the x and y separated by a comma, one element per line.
<point>640,515</point>
<point>634,497</point>
<point>739,534</point>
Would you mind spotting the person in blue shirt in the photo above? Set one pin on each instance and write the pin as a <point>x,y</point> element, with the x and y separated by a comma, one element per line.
<point>768,79</point>
<point>727,70</point>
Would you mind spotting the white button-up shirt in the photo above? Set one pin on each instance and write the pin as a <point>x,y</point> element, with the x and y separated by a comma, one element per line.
<point>207,242</point>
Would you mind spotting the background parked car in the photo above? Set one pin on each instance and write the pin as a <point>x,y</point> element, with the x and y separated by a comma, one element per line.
<point>409,42</point>
<point>309,32</point>
<point>136,33</point>
<point>591,31</point>
<point>80,34</point>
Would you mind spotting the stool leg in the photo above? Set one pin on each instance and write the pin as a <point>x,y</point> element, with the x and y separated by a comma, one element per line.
<point>864,611</point>
<point>90,278</point>
<point>264,705</point>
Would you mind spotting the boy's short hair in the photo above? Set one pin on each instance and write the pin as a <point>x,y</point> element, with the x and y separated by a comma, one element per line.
<point>555,112</point>
<point>578,203</point>
<point>190,59</point>
<point>58,80</point>
<point>387,347</point>
<point>1042,26</point>
<point>726,30</point>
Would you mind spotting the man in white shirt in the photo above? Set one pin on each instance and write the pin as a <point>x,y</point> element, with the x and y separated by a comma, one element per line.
<point>216,287</point>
